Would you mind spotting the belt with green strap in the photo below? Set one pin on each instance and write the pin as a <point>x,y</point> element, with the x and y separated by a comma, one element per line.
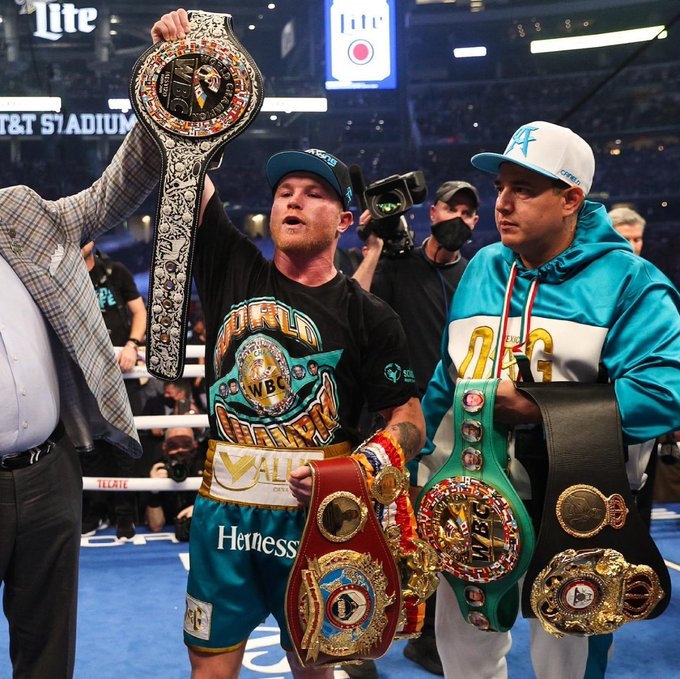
<point>470,513</point>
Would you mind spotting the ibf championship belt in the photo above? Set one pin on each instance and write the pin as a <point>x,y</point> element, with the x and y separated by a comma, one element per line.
<point>473,517</point>
<point>193,95</point>
<point>343,596</point>
<point>595,566</point>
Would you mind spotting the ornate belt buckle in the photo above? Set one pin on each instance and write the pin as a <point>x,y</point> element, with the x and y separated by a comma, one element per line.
<point>593,591</point>
<point>472,527</point>
<point>342,605</point>
<point>193,95</point>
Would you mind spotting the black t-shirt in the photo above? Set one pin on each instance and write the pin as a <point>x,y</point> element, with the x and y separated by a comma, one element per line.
<point>289,365</point>
<point>420,292</point>
<point>114,287</point>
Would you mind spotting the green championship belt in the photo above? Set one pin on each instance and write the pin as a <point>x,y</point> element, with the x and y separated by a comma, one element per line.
<point>472,516</point>
<point>595,566</point>
<point>193,95</point>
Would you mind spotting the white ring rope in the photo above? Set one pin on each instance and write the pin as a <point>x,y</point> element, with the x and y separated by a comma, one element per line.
<point>157,422</point>
<point>120,483</point>
<point>190,369</point>
<point>165,421</point>
<point>140,372</point>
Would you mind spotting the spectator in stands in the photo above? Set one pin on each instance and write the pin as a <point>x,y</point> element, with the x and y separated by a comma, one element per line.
<point>630,224</point>
<point>124,314</point>
<point>171,398</point>
<point>196,336</point>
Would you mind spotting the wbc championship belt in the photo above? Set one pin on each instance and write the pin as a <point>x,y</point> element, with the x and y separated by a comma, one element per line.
<point>472,516</point>
<point>343,597</point>
<point>193,95</point>
<point>595,566</point>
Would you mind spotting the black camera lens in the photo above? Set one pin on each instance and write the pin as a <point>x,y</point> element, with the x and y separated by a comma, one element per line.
<point>389,203</point>
<point>177,470</point>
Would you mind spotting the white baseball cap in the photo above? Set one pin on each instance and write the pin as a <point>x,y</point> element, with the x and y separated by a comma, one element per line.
<point>546,148</point>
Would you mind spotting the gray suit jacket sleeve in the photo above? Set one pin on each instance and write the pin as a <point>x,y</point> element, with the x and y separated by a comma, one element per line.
<point>41,241</point>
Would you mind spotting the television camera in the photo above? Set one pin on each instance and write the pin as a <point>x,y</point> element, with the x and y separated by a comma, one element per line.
<point>388,200</point>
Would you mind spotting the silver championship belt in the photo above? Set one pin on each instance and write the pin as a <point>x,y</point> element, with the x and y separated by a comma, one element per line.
<point>193,95</point>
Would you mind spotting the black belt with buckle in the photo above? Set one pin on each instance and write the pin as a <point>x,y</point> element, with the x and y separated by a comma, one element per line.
<point>25,458</point>
<point>595,565</point>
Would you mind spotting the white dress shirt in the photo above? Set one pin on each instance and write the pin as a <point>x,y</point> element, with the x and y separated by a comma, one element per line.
<point>28,375</point>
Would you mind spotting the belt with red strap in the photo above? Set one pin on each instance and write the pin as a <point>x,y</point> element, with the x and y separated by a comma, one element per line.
<point>343,600</point>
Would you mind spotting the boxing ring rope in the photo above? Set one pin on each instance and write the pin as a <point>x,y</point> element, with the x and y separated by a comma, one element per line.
<point>156,422</point>
<point>133,484</point>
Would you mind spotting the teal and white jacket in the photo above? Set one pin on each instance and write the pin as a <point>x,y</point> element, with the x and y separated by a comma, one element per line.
<point>596,302</point>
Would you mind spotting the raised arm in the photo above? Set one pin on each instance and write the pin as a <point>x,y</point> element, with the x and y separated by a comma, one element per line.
<point>371,251</point>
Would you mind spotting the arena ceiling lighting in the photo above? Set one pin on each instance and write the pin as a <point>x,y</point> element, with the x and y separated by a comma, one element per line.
<point>583,42</point>
<point>26,104</point>
<point>270,104</point>
<point>295,104</point>
<point>468,52</point>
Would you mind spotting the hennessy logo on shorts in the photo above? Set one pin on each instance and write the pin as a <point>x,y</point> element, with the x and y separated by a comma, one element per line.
<point>230,538</point>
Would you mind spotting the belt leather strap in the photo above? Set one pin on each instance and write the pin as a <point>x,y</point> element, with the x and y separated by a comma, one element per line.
<point>343,597</point>
<point>26,458</point>
<point>595,565</point>
<point>473,517</point>
<point>193,95</point>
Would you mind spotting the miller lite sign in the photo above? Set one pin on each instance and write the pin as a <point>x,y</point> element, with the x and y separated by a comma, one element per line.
<point>53,20</point>
<point>360,44</point>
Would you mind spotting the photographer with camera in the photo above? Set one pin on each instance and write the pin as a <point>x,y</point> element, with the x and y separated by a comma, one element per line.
<point>181,459</point>
<point>170,398</point>
<point>418,283</point>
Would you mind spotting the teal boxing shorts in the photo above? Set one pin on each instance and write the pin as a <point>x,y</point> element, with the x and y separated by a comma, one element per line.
<point>240,560</point>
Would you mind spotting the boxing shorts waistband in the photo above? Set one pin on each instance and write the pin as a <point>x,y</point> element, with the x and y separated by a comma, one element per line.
<point>26,458</point>
<point>257,476</point>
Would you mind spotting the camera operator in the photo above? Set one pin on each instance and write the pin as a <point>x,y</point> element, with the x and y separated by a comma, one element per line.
<point>419,285</point>
<point>181,459</point>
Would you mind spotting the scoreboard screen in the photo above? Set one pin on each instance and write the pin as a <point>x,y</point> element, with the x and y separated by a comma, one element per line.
<point>360,44</point>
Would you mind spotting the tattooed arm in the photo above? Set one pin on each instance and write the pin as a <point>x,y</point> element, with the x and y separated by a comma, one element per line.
<point>404,423</point>
<point>407,424</point>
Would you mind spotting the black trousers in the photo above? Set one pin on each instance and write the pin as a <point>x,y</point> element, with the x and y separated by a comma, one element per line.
<point>39,550</point>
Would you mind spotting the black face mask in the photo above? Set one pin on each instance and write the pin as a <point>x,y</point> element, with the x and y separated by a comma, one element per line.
<point>185,458</point>
<point>452,234</point>
<point>169,401</point>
